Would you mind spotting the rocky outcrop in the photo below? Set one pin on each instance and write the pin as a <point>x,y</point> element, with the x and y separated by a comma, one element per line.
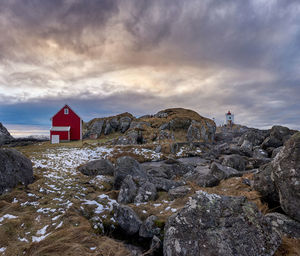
<point>286,176</point>
<point>15,168</point>
<point>107,125</point>
<point>97,167</point>
<point>5,136</point>
<point>219,225</point>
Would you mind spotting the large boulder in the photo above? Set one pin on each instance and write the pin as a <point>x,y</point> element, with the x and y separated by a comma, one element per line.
<point>5,136</point>
<point>15,168</point>
<point>97,167</point>
<point>146,192</point>
<point>278,136</point>
<point>264,184</point>
<point>210,224</point>
<point>127,219</point>
<point>254,136</point>
<point>234,161</point>
<point>222,172</point>
<point>286,176</point>
<point>127,165</point>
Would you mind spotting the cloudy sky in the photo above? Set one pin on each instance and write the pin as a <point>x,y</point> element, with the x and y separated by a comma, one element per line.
<point>105,57</point>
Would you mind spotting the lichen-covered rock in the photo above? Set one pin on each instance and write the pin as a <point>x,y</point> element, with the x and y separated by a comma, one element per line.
<point>15,168</point>
<point>219,225</point>
<point>148,229</point>
<point>97,167</point>
<point>163,184</point>
<point>286,176</point>
<point>263,183</point>
<point>128,191</point>
<point>127,219</point>
<point>127,165</point>
<point>200,131</point>
<point>146,192</point>
<point>234,161</point>
<point>284,225</point>
<point>5,136</point>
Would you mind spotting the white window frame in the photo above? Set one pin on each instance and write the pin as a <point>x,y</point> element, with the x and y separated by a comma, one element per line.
<point>66,111</point>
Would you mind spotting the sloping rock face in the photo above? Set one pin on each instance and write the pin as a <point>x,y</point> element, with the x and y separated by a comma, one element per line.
<point>286,176</point>
<point>219,225</point>
<point>98,126</point>
<point>5,136</point>
<point>15,168</point>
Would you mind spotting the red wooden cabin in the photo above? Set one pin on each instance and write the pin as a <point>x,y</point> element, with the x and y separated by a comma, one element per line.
<point>66,126</point>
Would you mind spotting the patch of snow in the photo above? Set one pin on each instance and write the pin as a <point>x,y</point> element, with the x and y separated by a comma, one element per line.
<point>39,238</point>
<point>156,205</point>
<point>23,239</point>
<point>2,249</point>
<point>7,216</point>
<point>59,225</point>
<point>42,231</point>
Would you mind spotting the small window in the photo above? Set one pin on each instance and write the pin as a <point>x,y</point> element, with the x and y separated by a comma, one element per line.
<point>66,111</point>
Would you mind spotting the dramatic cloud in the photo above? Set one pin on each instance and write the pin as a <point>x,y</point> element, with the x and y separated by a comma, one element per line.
<point>109,56</point>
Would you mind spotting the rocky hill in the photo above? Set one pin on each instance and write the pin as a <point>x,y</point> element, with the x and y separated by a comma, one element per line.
<point>165,127</point>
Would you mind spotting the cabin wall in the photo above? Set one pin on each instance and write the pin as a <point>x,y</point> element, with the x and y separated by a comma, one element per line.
<point>63,135</point>
<point>72,120</point>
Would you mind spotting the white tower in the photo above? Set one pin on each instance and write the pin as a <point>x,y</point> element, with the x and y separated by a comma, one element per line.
<point>229,118</point>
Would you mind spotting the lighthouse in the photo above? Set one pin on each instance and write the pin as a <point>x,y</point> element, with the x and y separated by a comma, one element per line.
<point>229,118</point>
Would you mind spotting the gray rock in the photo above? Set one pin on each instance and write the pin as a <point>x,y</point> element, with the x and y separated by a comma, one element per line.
<point>158,149</point>
<point>219,225</point>
<point>146,192</point>
<point>95,129</point>
<point>156,246</point>
<point>235,161</point>
<point>286,176</point>
<point>246,148</point>
<point>128,191</point>
<point>126,165</point>
<point>165,126</point>
<point>176,168</point>
<point>202,177</point>
<point>271,142</point>
<point>131,137</point>
<point>97,167</point>
<point>222,172</point>
<point>255,163</point>
<point>263,183</point>
<point>5,136</point>
<point>124,123</point>
<point>178,192</point>
<point>284,225</point>
<point>260,153</point>
<point>198,131</point>
<point>254,136</point>
<point>15,168</point>
<point>127,219</point>
<point>276,151</point>
<point>148,229</point>
<point>163,184</point>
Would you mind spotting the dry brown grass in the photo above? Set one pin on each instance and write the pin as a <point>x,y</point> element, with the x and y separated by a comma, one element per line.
<point>289,247</point>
